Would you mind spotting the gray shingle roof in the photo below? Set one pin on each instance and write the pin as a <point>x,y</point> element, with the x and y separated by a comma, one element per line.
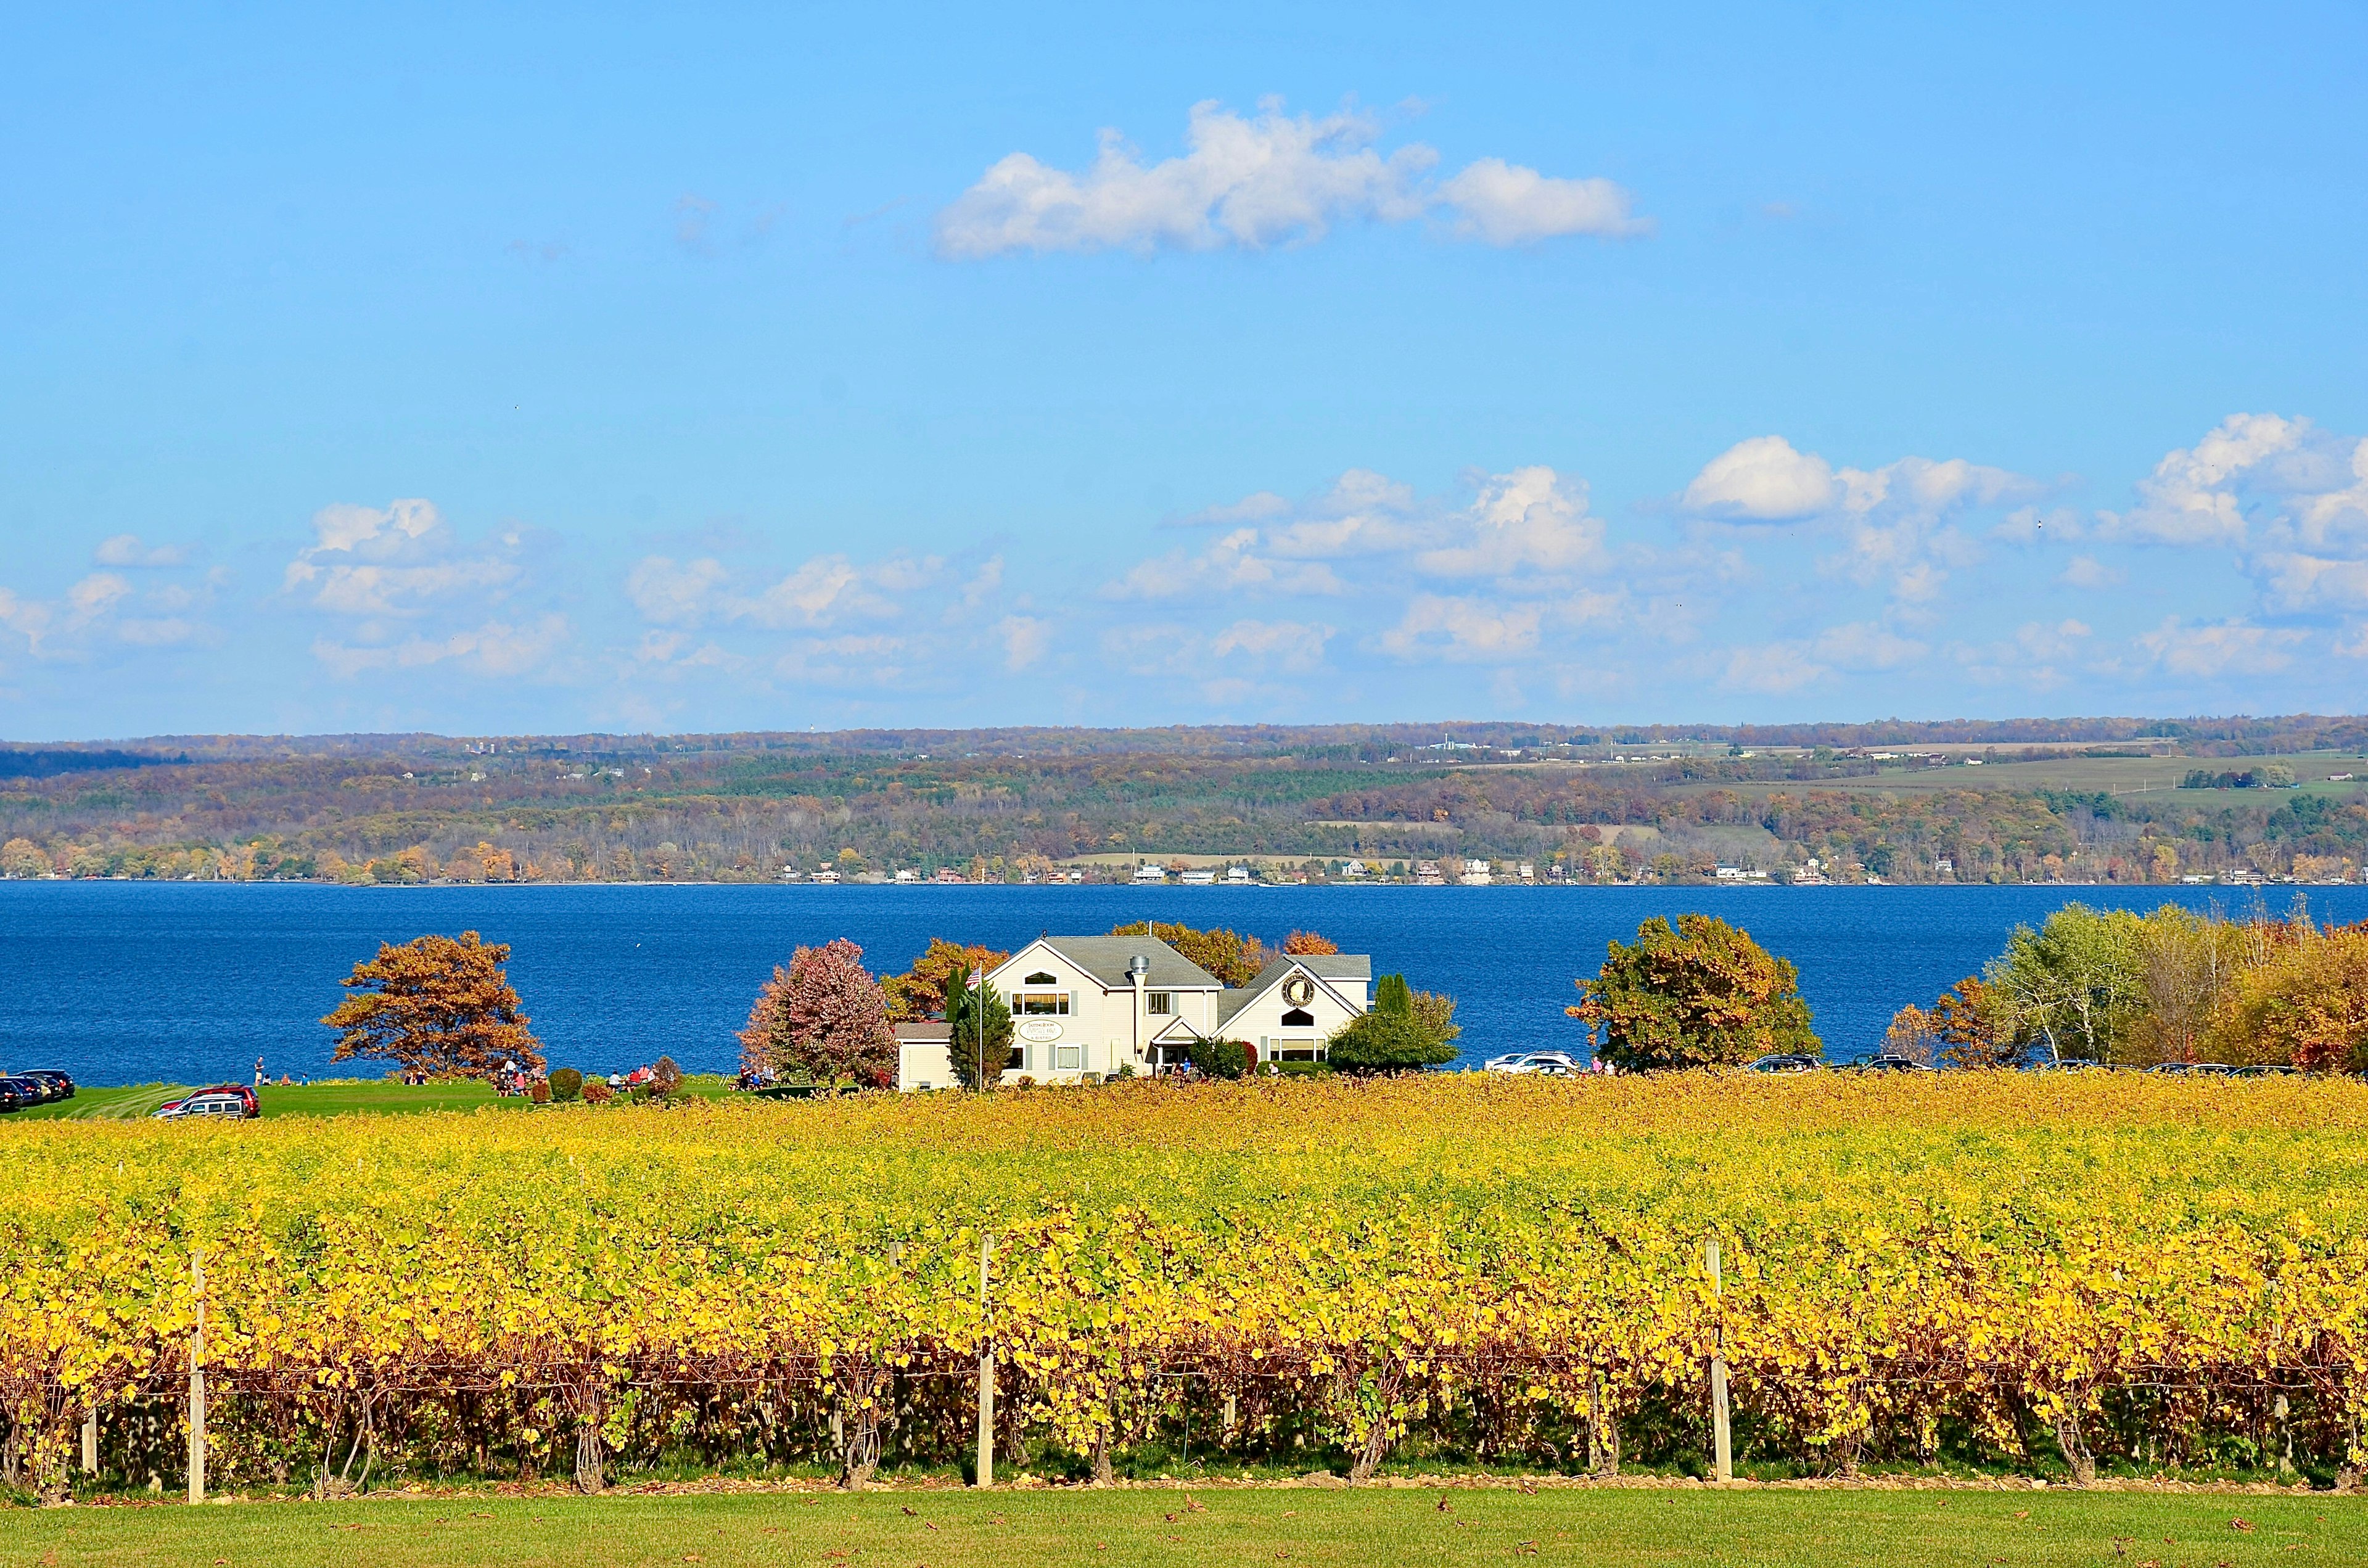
<point>1340,966</point>
<point>1105,957</point>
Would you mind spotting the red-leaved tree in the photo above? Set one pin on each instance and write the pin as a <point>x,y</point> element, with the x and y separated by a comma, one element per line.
<point>823,1017</point>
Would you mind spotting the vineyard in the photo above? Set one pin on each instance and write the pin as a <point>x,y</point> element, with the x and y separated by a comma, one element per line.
<point>2060,1272</point>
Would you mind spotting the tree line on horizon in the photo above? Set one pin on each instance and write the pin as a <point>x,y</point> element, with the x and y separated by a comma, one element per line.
<point>460,816</point>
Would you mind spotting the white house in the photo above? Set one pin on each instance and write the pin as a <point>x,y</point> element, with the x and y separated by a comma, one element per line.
<point>1100,1005</point>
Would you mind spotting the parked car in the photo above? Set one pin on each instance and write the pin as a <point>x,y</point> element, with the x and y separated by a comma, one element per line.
<point>2172,1069</point>
<point>2068,1064</point>
<point>62,1086</point>
<point>1534,1061</point>
<point>11,1097</point>
<point>2267,1069</point>
<point>228,1100</point>
<point>31,1090</point>
<point>1889,1064</point>
<point>1782,1063</point>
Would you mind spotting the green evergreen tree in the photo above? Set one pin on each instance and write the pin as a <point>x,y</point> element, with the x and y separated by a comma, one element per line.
<point>979,1022</point>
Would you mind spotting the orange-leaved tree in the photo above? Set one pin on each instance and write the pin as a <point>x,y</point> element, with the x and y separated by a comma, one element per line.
<point>920,992</point>
<point>1702,995</point>
<point>1308,944</point>
<point>437,1005</point>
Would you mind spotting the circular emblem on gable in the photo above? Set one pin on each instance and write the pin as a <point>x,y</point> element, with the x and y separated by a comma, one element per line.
<point>1299,991</point>
<point>1040,1030</point>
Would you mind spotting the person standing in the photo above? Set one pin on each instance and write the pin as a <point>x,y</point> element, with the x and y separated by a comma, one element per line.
<point>258,1072</point>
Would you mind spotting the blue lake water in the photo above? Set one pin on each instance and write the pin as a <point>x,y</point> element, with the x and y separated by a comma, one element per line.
<point>122,983</point>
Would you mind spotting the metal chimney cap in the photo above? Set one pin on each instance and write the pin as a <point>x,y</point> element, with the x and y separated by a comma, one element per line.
<point>1138,964</point>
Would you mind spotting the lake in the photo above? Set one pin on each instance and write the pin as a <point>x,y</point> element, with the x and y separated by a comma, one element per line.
<point>126,982</point>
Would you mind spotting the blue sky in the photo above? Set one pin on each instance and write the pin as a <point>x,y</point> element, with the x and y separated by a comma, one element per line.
<point>732,369</point>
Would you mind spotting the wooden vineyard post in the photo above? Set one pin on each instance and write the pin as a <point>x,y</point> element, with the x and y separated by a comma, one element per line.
<point>91,1440</point>
<point>1722,1442</point>
<point>985,1369</point>
<point>198,1381</point>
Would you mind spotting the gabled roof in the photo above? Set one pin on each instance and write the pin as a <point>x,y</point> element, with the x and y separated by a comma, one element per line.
<point>1342,966</point>
<point>1105,957</point>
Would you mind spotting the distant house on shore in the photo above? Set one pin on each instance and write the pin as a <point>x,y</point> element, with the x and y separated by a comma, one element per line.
<point>1099,1005</point>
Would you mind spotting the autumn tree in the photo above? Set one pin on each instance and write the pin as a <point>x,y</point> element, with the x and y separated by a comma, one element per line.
<point>1967,1025</point>
<point>823,1020</point>
<point>2303,1001</point>
<point>1305,944</point>
<point>1700,994</point>
<point>437,1005</point>
<point>920,992</point>
<point>1912,1035</point>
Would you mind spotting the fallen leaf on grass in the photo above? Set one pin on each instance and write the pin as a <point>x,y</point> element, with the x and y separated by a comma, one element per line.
<point>2022,1513</point>
<point>1527,1548</point>
<point>910,1514</point>
<point>2242,1525</point>
<point>1444,1506</point>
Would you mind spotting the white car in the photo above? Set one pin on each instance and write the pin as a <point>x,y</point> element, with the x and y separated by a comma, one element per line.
<point>1536,1061</point>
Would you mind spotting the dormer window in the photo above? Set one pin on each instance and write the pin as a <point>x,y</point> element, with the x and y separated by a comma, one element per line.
<point>1040,977</point>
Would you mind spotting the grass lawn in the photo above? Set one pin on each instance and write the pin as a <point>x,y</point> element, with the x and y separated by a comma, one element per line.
<point>331,1098</point>
<point>1013,1529</point>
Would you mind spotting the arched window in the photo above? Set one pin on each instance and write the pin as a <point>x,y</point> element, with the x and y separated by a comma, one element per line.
<point>1298,1019</point>
<point>1040,977</point>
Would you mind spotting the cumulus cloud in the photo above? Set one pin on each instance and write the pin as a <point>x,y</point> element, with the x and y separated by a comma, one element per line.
<point>1234,563</point>
<point>399,560</point>
<point>1026,639</point>
<point>1292,645</point>
<point>2034,657</point>
<point>1772,669</point>
<point>1463,630</point>
<point>1867,645</point>
<point>818,592</point>
<point>2294,581</point>
<point>1256,181</point>
<point>2192,497</point>
<point>1506,204</point>
<point>125,550</point>
<point>2087,571</point>
<point>1762,480</point>
<point>2225,648</point>
<point>1894,521</point>
<point>496,649</point>
<point>1530,520</point>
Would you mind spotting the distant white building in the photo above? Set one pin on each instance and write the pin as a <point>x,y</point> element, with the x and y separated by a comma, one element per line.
<point>1097,1005</point>
<point>1151,873</point>
<point>1353,868</point>
<point>1238,874</point>
<point>1476,873</point>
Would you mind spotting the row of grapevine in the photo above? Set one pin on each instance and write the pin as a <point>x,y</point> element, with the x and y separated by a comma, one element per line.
<point>1306,1273</point>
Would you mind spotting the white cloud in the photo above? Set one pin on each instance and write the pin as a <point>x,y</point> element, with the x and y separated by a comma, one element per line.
<point>1529,520</point>
<point>1025,638</point>
<point>1254,182</point>
<point>2192,497</point>
<point>1462,631</point>
<point>1292,645</point>
<point>668,594</point>
<point>2034,657</point>
<point>2231,647</point>
<point>819,592</point>
<point>2294,581</point>
<point>395,561</point>
<point>1867,645</point>
<point>1506,204</point>
<point>2087,571</point>
<point>497,649</point>
<point>125,550</point>
<point>1234,563</point>
<point>1762,480</point>
<point>1774,670</point>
